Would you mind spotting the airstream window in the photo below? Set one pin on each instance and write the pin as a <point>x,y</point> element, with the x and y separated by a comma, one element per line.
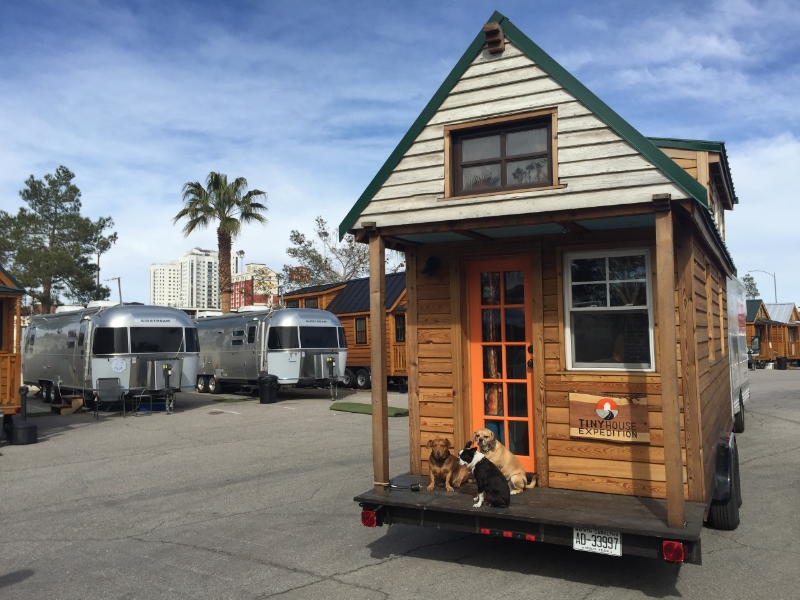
<point>282,338</point>
<point>192,343</point>
<point>82,334</point>
<point>156,339</point>
<point>251,334</point>
<point>110,340</point>
<point>238,332</point>
<point>342,338</point>
<point>237,342</point>
<point>318,337</point>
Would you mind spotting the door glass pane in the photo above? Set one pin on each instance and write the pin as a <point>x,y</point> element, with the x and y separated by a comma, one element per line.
<point>492,362</point>
<point>491,325</point>
<point>518,441</point>
<point>593,294</point>
<point>517,399</point>
<point>498,429</point>
<point>481,178</point>
<point>490,288</point>
<point>533,170</point>
<point>515,324</point>
<point>515,360</point>
<point>480,148</point>
<point>493,399</point>
<point>526,142</point>
<point>514,287</point>
<point>630,293</point>
<point>626,267</point>
<point>588,269</point>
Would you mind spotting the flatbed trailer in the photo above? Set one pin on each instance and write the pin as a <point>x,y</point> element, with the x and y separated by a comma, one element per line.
<point>540,515</point>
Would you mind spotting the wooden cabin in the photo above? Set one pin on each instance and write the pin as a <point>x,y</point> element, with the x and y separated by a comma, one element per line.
<point>349,301</point>
<point>560,265</point>
<point>11,293</point>
<point>760,324</point>
<point>787,338</point>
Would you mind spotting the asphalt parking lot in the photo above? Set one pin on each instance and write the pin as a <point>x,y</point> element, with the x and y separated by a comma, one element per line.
<point>243,500</point>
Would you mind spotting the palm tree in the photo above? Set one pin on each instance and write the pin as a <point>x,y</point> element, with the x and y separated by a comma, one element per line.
<point>231,207</point>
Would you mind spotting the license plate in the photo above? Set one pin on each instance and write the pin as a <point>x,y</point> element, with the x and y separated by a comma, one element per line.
<point>596,540</point>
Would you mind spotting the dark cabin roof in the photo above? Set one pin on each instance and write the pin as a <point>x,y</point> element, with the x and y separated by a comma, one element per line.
<point>752,309</point>
<point>355,297</point>
<point>313,288</point>
<point>5,289</point>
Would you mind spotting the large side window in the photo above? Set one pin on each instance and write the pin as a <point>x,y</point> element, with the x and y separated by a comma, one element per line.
<point>361,330</point>
<point>110,340</point>
<point>513,155</point>
<point>609,310</point>
<point>282,338</point>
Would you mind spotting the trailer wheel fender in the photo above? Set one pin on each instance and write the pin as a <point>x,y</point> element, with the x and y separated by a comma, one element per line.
<point>738,418</point>
<point>724,510</point>
<point>723,470</point>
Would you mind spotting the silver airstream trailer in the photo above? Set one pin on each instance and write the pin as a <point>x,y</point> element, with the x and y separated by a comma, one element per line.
<point>298,346</point>
<point>140,345</point>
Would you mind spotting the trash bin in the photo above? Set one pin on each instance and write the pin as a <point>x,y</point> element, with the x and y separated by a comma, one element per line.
<point>781,363</point>
<point>268,387</point>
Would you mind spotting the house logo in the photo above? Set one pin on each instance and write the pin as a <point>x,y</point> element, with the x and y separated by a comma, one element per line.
<point>606,409</point>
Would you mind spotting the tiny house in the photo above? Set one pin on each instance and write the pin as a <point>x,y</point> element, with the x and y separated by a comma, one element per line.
<point>566,289</point>
<point>787,343</point>
<point>11,293</point>
<point>350,302</point>
<point>761,326</point>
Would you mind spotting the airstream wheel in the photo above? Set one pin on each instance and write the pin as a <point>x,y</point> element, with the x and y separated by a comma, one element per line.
<point>202,385</point>
<point>349,378</point>
<point>363,381</point>
<point>214,386</point>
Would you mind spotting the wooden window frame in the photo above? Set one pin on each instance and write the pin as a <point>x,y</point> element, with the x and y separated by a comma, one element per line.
<point>566,292</point>
<point>403,329</point>
<point>294,303</point>
<point>460,130</point>
<point>364,320</point>
<point>314,300</point>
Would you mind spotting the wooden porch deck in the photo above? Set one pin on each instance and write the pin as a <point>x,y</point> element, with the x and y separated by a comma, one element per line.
<point>548,506</point>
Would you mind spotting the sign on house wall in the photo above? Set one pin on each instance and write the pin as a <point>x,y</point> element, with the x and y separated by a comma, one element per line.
<point>609,418</point>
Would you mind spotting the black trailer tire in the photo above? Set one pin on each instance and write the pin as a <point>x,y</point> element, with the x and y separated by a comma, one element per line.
<point>725,516</point>
<point>214,386</point>
<point>738,419</point>
<point>363,381</point>
<point>202,385</point>
<point>349,379</point>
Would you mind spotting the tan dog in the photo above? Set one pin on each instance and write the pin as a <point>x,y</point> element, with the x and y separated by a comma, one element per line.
<point>508,464</point>
<point>444,465</point>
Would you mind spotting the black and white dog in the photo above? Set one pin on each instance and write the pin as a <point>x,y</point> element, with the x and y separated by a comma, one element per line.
<point>492,485</point>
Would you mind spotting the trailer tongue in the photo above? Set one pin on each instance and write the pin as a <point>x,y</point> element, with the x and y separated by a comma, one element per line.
<point>593,522</point>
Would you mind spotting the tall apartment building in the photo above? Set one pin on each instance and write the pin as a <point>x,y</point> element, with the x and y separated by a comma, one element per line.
<point>192,281</point>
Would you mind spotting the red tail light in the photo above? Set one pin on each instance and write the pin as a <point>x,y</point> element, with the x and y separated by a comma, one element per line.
<point>674,552</point>
<point>486,531</point>
<point>369,518</point>
<point>508,534</point>
<point>530,538</point>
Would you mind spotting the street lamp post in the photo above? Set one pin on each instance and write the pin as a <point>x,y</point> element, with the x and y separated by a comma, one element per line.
<point>119,287</point>
<point>774,281</point>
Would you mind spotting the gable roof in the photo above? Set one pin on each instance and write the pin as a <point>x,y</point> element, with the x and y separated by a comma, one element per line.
<point>355,297</point>
<point>601,110</point>
<point>9,285</point>
<point>782,311</point>
<point>313,289</point>
<point>752,309</point>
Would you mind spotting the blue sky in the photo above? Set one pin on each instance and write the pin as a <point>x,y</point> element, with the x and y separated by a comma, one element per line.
<point>308,100</point>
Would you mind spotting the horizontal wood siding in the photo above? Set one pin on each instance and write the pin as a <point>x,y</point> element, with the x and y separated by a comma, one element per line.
<point>596,166</point>
<point>359,355</point>
<point>9,378</point>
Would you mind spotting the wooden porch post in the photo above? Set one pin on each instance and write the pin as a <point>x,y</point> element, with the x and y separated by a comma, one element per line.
<point>377,319</point>
<point>667,343</point>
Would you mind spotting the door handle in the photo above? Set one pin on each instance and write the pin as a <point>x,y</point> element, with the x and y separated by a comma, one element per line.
<point>530,363</point>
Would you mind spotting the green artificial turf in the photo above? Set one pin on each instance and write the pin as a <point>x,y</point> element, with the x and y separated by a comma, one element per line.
<point>358,407</point>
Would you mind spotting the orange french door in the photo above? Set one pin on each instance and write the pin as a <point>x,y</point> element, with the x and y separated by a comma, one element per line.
<point>500,314</point>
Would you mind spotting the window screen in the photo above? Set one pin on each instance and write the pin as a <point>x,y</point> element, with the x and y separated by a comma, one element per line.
<point>361,330</point>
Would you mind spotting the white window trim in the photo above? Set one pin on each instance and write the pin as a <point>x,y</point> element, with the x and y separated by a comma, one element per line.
<point>567,295</point>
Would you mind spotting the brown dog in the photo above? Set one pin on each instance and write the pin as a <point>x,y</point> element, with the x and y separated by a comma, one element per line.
<point>508,464</point>
<point>444,465</point>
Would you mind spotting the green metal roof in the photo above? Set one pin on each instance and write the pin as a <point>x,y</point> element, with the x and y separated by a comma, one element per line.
<point>752,309</point>
<point>601,110</point>
<point>702,145</point>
